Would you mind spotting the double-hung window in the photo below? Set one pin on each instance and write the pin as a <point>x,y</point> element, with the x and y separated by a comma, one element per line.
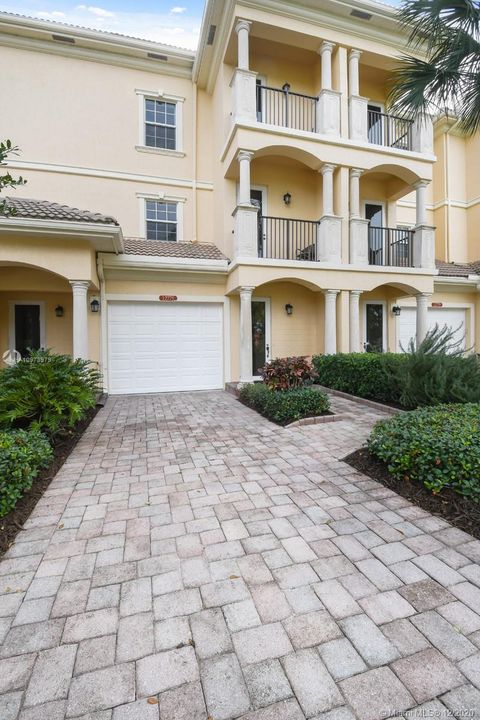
<point>160,124</point>
<point>162,220</point>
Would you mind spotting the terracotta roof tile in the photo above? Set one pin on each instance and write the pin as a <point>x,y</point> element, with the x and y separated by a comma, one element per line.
<point>45,210</point>
<point>458,269</point>
<point>197,251</point>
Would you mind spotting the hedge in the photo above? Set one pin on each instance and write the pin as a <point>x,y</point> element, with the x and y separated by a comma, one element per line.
<point>437,446</point>
<point>23,453</point>
<point>285,406</point>
<point>361,374</point>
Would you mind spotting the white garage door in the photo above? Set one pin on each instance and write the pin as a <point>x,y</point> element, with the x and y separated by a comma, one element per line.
<point>160,347</point>
<point>453,317</point>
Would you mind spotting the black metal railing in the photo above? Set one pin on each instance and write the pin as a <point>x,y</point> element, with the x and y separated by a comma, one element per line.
<point>390,246</point>
<point>287,239</point>
<point>389,130</point>
<point>281,106</point>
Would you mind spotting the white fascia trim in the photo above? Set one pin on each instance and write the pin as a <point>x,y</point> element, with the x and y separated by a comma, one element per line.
<point>151,262</point>
<point>470,281</point>
<point>90,231</point>
<point>311,265</point>
<point>323,139</point>
<point>104,56</point>
<point>108,174</point>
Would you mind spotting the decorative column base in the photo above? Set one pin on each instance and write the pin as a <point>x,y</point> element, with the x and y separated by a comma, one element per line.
<point>246,231</point>
<point>244,96</point>
<point>358,241</point>
<point>424,247</point>
<point>328,113</point>
<point>329,239</point>
<point>358,118</point>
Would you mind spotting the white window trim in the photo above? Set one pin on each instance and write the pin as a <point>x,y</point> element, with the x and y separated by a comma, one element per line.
<point>384,322</point>
<point>384,210</point>
<point>161,197</point>
<point>11,324</point>
<point>160,95</point>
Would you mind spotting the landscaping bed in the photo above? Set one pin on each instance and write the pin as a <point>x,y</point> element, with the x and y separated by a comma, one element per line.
<point>12,523</point>
<point>458,510</point>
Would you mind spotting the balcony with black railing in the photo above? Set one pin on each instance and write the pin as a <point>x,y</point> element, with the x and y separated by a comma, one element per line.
<point>390,247</point>
<point>390,130</point>
<point>284,108</point>
<point>287,238</point>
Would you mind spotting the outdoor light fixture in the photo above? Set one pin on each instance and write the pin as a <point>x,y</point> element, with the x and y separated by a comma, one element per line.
<point>286,87</point>
<point>396,310</point>
<point>287,198</point>
<point>94,305</point>
<point>289,309</point>
<point>59,311</point>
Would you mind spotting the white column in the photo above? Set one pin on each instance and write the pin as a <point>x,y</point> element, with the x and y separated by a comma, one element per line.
<point>422,321</point>
<point>330,342</point>
<point>325,51</point>
<point>244,158</point>
<point>80,318</point>
<point>353,72</point>
<point>355,174</point>
<point>327,173</point>
<point>421,202</point>
<point>246,370</point>
<point>354,320</point>
<point>242,28</point>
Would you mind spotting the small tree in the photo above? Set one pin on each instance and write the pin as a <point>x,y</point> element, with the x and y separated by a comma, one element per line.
<point>7,181</point>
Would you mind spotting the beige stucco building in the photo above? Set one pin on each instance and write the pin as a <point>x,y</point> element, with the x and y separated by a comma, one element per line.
<point>251,200</point>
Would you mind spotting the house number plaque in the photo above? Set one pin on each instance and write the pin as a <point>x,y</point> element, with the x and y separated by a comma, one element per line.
<point>167,298</point>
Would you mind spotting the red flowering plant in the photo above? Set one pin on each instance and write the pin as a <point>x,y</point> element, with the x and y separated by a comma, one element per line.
<point>287,373</point>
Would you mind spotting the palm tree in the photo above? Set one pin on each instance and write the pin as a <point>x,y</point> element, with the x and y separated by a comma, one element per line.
<point>444,73</point>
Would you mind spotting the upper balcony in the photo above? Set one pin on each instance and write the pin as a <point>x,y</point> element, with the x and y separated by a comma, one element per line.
<point>329,95</point>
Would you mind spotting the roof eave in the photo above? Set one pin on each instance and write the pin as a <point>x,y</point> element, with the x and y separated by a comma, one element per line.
<point>160,262</point>
<point>95,233</point>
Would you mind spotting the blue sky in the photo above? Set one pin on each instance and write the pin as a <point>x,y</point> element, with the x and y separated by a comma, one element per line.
<point>177,22</point>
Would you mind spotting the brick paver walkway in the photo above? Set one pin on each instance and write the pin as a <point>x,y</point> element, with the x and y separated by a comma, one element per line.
<point>191,560</point>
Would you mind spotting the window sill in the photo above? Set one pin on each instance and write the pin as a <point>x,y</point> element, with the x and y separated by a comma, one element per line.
<point>159,151</point>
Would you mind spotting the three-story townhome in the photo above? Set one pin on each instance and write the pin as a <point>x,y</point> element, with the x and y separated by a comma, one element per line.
<point>254,199</point>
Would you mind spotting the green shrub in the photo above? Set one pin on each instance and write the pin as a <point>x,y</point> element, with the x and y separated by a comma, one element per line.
<point>437,446</point>
<point>436,372</point>
<point>366,375</point>
<point>285,406</point>
<point>46,392</point>
<point>22,454</point>
<point>287,373</point>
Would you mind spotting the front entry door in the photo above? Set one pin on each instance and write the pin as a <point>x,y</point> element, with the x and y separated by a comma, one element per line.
<point>374,323</point>
<point>260,348</point>
<point>27,328</point>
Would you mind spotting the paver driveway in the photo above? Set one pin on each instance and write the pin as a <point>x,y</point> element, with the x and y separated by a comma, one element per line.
<point>191,560</point>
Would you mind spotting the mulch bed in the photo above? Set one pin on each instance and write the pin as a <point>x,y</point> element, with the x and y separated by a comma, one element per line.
<point>12,523</point>
<point>460,511</point>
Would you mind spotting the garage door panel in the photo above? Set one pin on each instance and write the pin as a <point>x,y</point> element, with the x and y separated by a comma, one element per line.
<point>159,348</point>
<point>454,318</point>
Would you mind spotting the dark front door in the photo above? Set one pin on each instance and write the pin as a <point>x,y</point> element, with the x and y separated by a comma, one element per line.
<point>256,198</point>
<point>374,327</point>
<point>27,328</point>
<point>259,335</point>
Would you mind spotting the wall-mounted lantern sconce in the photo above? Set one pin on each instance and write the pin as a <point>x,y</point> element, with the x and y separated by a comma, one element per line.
<point>396,310</point>
<point>94,305</point>
<point>289,309</point>
<point>286,87</point>
<point>59,311</point>
<point>287,198</point>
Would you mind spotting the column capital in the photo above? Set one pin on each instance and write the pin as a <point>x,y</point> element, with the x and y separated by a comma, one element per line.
<point>246,290</point>
<point>327,168</point>
<point>356,293</point>
<point>242,25</point>
<point>330,293</point>
<point>421,184</point>
<point>423,297</point>
<point>326,46</point>
<point>354,54</point>
<point>80,285</point>
<point>245,155</point>
<point>356,172</point>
